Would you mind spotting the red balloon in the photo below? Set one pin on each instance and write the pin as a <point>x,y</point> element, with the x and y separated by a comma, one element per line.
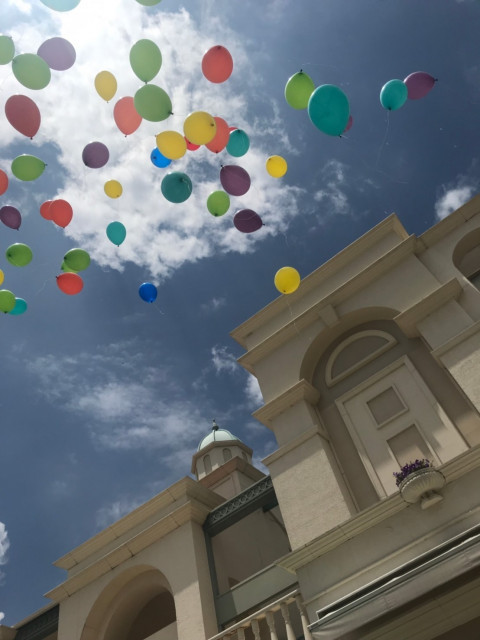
<point>349,124</point>
<point>70,283</point>
<point>45,209</point>
<point>419,84</point>
<point>3,182</point>
<point>217,64</point>
<point>61,212</point>
<point>23,114</point>
<point>191,146</point>
<point>126,116</point>
<point>221,138</point>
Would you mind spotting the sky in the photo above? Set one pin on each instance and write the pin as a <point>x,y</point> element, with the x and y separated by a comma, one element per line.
<point>104,397</point>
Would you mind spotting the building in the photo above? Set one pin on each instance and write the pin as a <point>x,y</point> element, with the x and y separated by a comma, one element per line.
<point>373,362</point>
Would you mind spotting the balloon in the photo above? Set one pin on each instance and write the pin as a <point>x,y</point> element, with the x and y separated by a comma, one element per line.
<point>7,49</point>
<point>11,217</point>
<point>31,70</point>
<point>66,268</point>
<point>113,188</point>
<point>19,254</point>
<point>221,136</point>
<point>238,143</point>
<point>148,3</point>
<point>287,280</point>
<point>7,301</point>
<point>159,159</point>
<point>2,276</point>
<point>276,166</point>
<point>45,210</point>
<point>106,85</point>
<point>26,167</point>
<point>200,127</point>
<point>116,233</point>
<point>171,144</point>
<point>247,221</point>
<point>298,90</point>
<point>148,292</point>
<point>70,283</point>
<point>328,109</point>
<point>95,155</point>
<point>145,59</point>
<point>393,95</point>
<point>126,116</point>
<point>19,308</point>
<point>176,187</point>
<point>153,103</point>
<point>349,123</point>
<point>23,114</point>
<point>58,53</point>
<point>61,212</point>
<point>61,5</point>
<point>419,84</point>
<point>218,203</point>
<point>3,182</point>
<point>191,146</point>
<point>77,259</point>
<point>217,64</point>
<point>234,179</point>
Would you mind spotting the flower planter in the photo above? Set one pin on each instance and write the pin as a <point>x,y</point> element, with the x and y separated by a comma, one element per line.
<point>422,485</point>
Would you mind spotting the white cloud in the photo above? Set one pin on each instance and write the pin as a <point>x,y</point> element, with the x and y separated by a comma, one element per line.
<point>4,546</point>
<point>213,305</point>
<point>253,392</point>
<point>105,516</point>
<point>222,360</point>
<point>452,199</point>
<point>333,195</point>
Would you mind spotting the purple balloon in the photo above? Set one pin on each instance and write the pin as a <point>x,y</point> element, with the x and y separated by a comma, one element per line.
<point>10,216</point>
<point>419,84</point>
<point>95,155</point>
<point>235,180</point>
<point>247,221</point>
<point>58,53</point>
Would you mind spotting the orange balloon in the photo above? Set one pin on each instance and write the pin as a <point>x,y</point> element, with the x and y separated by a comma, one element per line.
<point>3,182</point>
<point>61,212</point>
<point>217,64</point>
<point>45,209</point>
<point>126,116</point>
<point>70,283</point>
<point>221,138</point>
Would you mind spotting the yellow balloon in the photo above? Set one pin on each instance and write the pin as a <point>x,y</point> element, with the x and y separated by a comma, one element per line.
<point>287,280</point>
<point>276,166</point>
<point>200,127</point>
<point>2,276</point>
<point>113,188</point>
<point>106,85</point>
<point>171,144</point>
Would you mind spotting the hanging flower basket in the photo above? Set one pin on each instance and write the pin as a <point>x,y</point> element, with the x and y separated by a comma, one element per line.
<point>420,481</point>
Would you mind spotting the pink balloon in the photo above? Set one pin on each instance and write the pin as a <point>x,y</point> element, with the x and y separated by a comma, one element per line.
<point>419,84</point>
<point>349,123</point>
<point>126,116</point>
<point>23,114</point>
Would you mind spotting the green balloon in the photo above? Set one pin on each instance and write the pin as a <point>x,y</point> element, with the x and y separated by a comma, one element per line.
<point>218,203</point>
<point>19,308</point>
<point>393,94</point>
<point>66,269</point>
<point>148,3</point>
<point>145,59</point>
<point>31,70</point>
<point>19,254</point>
<point>77,259</point>
<point>7,49</point>
<point>26,167</point>
<point>116,233</point>
<point>7,300</point>
<point>238,143</point>
<point>298,90</point>
<point>152,103</point>
<point>329,109</point>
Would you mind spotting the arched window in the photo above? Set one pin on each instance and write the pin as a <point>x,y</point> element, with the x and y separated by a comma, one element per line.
<point>227,455</point>
<point>207,463</point>
<point>466,257</point>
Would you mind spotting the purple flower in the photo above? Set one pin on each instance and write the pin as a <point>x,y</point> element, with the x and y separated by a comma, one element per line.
<point>409,468</point>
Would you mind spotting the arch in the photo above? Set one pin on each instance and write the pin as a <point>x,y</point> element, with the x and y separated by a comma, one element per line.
<point>466,256</point>
<point>227,454</point>
<point>207,464</point>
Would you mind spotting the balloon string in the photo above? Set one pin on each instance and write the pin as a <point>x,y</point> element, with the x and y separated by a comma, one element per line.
<point>157,309</point>
<point>384,139</point>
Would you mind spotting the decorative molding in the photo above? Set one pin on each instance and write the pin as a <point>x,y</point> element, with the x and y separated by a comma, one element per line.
<point>39,627</point>
<point>293,444</point>
<point>302,390</point>
<point>456,340</point>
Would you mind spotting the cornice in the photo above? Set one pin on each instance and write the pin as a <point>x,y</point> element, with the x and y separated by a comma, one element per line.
<point>453,342</point>
<point>293,444</point>
<point>436,233</point>
<point>39,625</point>
<point>302,390</point>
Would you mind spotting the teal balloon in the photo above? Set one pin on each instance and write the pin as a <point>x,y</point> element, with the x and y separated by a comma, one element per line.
<point>218,203</point>
<point>19,308</point>
<point>176,187</point>
<point>77,259</point>
<point>7,300</point>
<point>26,167</point>
<point>152,103</point>
<point>116,233</point>
<point>145,59</point>
<point>298,90</point>
<point>329,109</point>
<point>19,254</point>
<point>31,70</point>
<point>61,5</point>
<point>238,143</point>
<point>393,95</point>
<point>7,49</point>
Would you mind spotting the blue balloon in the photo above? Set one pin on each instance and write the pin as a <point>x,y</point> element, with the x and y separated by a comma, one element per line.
<point>148,292</point>
<point>19,308</point>
<point>329,109</point>
<point>176,187</point>
<point>159,160</point>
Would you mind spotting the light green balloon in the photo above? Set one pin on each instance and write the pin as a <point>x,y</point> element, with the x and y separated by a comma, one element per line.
<point>218,203</point>
<point>77,259</point>
<point>65,268</point>
<point>26,167</point>
<point>298,90</point>
<point>152,103</point>
<point>148,3</point>
<point>145,59</point>
<point>19,308</point>
<point>7,49</point>
<point>19,254</point>
<point>7,300</point>
<point>31,70</point>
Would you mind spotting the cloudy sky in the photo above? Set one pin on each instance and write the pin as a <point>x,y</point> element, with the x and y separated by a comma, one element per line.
<point>103,397</point>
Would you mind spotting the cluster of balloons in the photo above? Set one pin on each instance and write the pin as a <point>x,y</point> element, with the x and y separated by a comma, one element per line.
<point>395,93</point>
<point>18,255</point>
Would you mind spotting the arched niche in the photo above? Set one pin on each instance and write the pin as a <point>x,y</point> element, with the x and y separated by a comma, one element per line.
<point>466,257</point>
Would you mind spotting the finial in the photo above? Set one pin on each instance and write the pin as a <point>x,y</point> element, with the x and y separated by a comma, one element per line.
<point>215,426</point>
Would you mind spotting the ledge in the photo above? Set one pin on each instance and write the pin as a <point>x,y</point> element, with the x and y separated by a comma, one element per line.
<point>302,390</point>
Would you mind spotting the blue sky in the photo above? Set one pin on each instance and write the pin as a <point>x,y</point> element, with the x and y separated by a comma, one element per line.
<point>103,397</point>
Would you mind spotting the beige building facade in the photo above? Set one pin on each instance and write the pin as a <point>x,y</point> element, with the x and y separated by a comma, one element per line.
<point>372,363</point>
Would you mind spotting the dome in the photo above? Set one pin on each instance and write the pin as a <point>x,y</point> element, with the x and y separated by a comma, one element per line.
<point>216,435</point>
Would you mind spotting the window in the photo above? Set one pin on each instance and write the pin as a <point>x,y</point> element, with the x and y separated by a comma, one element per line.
<point>227,455</point>
<point>207,463</point>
